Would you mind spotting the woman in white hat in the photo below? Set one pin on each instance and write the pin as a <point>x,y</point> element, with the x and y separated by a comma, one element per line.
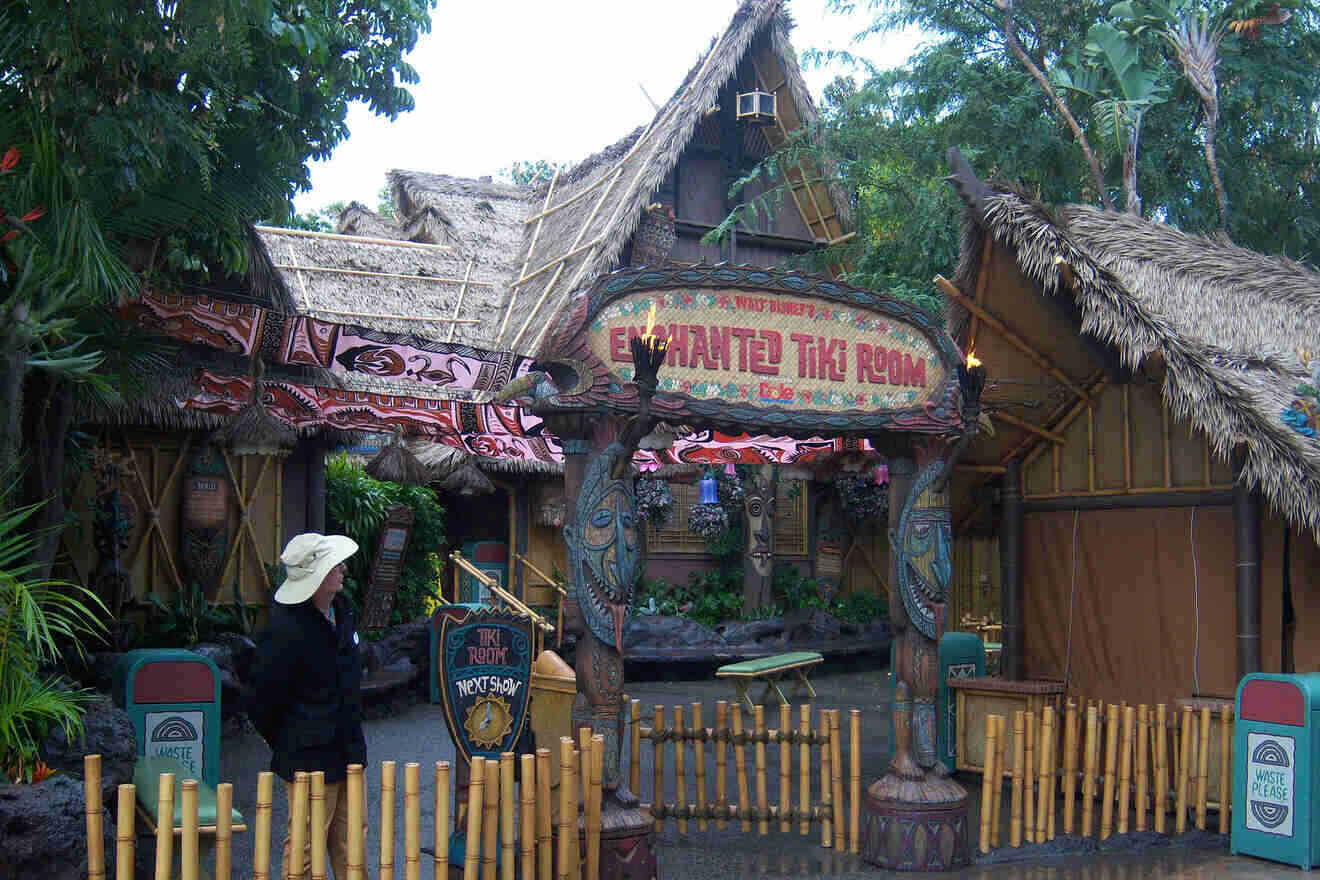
<point>306,690</point>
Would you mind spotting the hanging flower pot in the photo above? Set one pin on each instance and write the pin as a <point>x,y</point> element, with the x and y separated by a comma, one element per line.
<point>708,520</point>
<point>655,503</point>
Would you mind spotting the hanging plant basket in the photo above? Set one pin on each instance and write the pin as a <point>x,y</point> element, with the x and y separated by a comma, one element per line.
<point>861,498</point>
<point>708,520</point>
<point>655,504</point>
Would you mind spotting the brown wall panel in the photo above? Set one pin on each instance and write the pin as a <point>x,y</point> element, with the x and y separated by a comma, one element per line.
<point>1305,575</point>
<point>1109,438</point>
<point>1147,450</point>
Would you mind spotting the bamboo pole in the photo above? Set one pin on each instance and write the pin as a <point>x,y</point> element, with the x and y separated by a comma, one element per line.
<point>1225,747</point>
<point>507,857</point>
<point>386,864</point>
<point>657,768</point>
<point>1127,439</point>
<point>762,808</point>
<point>356,788</point>
<point>575,851</point>
<point>1057,469</point>
<point>855,779</point>
<point>1125,769</point>
<point>93,817</point>
<point>1029,779</point>
<point>1000,763</point>
<point>721,765</point>
<point>1111,755</point>
<point>1164,442</point>
<point>596,764</point>
<point>804,768</point>
<point>785,766</point>
<point>1069,765</point>
<point>1202,768</point>
<point>490,821</point>
<point>836,767</point>
<point>261,826</point>
<point>740,764</point>
<point>1161,768</point>
<point>584,753</point>
<point>1089,769</point>
<point>1045,788</point>
<point>1019,754</point>
<point>699,759</point>
<point>165,827</point>
<point>412,821</point>
<point>680,771</point>
<point>1143,738</point>
<point>527,821</point>
<point>567,809</point>
<point>189,855</point>
<point>989,789</point>
<point>1090,448</point>
<point>125,835</point>
<point>544,828</point>
<point>1184,767</point>
<point>635,746</point>
<point>441,848</point>
<point>316,798</point>
<point>476,795</point>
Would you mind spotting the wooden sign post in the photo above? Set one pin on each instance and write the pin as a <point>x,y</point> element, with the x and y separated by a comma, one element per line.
<point>387,567</point>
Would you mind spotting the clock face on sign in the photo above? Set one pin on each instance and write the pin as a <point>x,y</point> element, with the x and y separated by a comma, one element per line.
<point>488,721</point>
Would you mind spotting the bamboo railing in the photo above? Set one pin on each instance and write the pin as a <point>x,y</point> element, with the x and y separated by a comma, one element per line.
<point>506,815</point>
<point>563,594</point>
<point>540,624</point>
<point>1136,762</point>
<point>693,799</point>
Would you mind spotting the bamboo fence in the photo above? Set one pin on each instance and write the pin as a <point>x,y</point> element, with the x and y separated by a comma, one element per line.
<point>1138,762</point>
<point>820,753</point>
<point>508,825</point>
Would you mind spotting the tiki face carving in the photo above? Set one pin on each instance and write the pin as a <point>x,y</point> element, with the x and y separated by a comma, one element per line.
<point>924,542</point>
<point>603,547</point>
<point>759,503</point>
<point>609,541</point>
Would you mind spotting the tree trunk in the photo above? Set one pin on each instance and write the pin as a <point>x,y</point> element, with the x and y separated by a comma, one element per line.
<point>1133,205</point>
<point>13,368</point>
<point>1221,197</point>
<point>45,478</point>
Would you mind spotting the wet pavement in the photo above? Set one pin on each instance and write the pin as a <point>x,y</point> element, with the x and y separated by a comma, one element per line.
<point>417,733</point>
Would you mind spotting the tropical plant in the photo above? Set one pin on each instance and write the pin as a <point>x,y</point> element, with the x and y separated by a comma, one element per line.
<point>39,620</point>
<point>189,618</point>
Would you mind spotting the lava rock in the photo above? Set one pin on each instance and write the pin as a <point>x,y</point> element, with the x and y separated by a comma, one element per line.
<point>95,670</point>
<point>811,625</point>
<point>43,830</point>
<point>655,635</point>
<point>1063,845</point>
<point>221,655</point>
<point>108,732</point>
<point>410,640</point>
<point>242,651</point>
<point>751,632</point>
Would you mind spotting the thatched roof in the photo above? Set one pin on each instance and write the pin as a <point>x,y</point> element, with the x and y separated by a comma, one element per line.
<point>1228,323</point>
<point>358,219</point>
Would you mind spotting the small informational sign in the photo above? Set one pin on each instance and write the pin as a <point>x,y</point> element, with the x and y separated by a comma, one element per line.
<point>387,567</point>
<point>178,735</point>
<point>1271,783</point>
<point>486,668</point>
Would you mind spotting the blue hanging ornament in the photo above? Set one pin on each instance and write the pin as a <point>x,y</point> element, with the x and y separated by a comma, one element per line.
<point>709,489</point>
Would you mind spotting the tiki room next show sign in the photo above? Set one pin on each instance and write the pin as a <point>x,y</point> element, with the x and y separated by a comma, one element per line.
<point>778,350</point>
<point>485,659</point>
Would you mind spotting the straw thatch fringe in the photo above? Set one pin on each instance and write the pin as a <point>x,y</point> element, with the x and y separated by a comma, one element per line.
<point>358,219</point>
<point>1226,321</point>
<point>396,463</point>
<point>264,281</point>
<point>520,466</point>
<point>467,479</point>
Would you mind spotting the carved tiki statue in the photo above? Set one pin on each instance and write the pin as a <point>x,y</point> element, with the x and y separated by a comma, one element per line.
<point>758,568</point>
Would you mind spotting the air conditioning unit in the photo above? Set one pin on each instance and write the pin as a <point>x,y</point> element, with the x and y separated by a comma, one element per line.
<point>757,107</point>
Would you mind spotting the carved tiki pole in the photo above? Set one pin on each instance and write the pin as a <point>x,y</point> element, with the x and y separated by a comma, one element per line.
<point>758,567</point>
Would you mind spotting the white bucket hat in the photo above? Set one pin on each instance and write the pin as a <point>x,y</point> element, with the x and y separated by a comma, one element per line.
<point>308,558</point>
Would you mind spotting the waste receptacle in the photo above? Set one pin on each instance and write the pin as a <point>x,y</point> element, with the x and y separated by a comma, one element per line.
<point>173,699</point>
<point>961,655</point>
<point>1274,751</point>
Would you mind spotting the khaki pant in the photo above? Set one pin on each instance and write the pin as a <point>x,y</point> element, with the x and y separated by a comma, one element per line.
<point>335,833</point>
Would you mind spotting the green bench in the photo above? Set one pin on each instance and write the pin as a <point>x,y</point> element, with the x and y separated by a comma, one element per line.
<point>771,669</point>
<point>146,779</point>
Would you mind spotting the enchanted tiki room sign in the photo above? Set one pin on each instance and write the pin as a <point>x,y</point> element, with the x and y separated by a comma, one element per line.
<point>485,659</point>
<point>764,349</point>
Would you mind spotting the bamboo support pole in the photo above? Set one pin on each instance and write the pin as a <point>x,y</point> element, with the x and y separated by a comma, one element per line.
<point>699,761</point>
<point>1165,443</point>
<point>1069,766</point>
<point>584,760</point>
<point>298,822</point>
<point>1090,448</point>
<point>527,819</point>
<point>1000,763</point>
<point>1019,754</point>
<point>189,854</point>
<point>836,767</point>
<point>596,764</point>
<point>1184,766</point>
<point>989,788</point>
<point>412,821</point>
<point>316,802</point>
<point>1127,438</point>
<point>261,826</point>
<point>490,821</point>
<point>1125,769</point>
<point>1202,768</point>
<point>657,768</point>
<point>763,825</point>
<point>804,768</point>
<point>1029,779</point>
<point>1111,756</point>
<point>386,864</point>
<point>680,769</point>
<point>721,766</point>
<point>93,817</point>
<point>224,830</point>
<point>567,809</point>
<point>1056,469</point>
<point>356,789</point>
<point>1161,767</point>
<point>544,827</point>
<point>855,779</point>
<point>740,764</point>
<point>1225,747</point>
<point>579,809</point>
<point>1143,769</point>
<point>476,796</point>
<point>507,800</point>
<point>125,834</point>
<point>1045,787</point>
<point>785,767</point>
<point>826,789</point>
<point>441,848</point>
<point>1089,768</point>
<point>165,827</point>
<point>635,745</point>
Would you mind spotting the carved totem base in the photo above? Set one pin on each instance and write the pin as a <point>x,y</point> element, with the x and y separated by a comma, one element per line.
<point>915,825</point>
<point>627,844</point>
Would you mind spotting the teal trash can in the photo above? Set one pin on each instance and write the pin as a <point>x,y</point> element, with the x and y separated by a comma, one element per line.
<point>491,558</point>
<point>961,655</point>
<point>1274,750</point>
<point>173,699</point>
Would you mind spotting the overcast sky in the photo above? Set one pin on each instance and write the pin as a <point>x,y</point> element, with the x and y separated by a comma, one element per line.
<point>506,80</point>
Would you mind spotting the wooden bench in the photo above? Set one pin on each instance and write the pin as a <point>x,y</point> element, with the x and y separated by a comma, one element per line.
<point>146,780</point>
<point>771,669</point>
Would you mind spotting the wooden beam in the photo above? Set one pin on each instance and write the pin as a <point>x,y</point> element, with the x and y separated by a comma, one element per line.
<point>1010,337</point>
<point>355,239</point>
<point>981,468</point>
<point>1127,437</point>
<point>434,279</point>
<point>1028,426</point>
<point>458,304</point>
<point>1067,410</point>
<point>982,280</point>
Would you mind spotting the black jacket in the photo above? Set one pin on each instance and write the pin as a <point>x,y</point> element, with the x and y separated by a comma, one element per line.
<point>306,698</point>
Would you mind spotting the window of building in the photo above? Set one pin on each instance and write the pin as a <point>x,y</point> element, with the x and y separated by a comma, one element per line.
<point>790,522</point>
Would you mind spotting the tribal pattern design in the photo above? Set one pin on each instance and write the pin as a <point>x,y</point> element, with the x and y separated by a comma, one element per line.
<point>603,546</point>
<point>923,547</point>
